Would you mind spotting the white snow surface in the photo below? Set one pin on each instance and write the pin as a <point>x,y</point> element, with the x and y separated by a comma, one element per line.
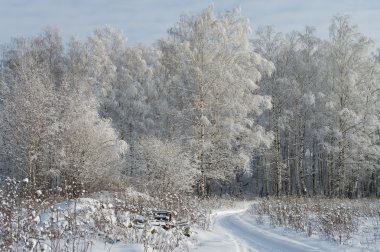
<point>233,230</point>
<point>237,231</point>
<point>100,246</point>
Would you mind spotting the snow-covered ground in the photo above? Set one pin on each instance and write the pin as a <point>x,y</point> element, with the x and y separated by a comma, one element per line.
<point>100,246</point>
<point>98,225</point>
<point>237,230</point>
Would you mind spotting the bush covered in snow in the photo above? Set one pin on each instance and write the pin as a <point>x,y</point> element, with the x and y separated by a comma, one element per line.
<point>33,222</point>
<point>337,219</point>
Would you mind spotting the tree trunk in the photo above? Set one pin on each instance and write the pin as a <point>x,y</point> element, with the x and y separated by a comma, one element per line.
<point>277,163</point>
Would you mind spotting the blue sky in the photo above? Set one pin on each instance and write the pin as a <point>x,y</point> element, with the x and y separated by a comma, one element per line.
<point>146,21</point>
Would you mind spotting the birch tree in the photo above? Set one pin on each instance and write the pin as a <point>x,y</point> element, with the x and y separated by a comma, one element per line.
<point>352,117</point>
<point>269,44</point>
<point>217,72</point>
<point>28,111</point>
<point>51,130</point>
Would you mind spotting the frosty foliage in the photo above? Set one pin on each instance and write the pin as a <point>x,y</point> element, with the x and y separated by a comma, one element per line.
<point>96,153</point>
<point>51,130</point>
<point>163,167</point>
<point>204,110</point>
<point>324,98</point>
<point>32,224</point>
<point>214,74</point>
<point>344,221</point>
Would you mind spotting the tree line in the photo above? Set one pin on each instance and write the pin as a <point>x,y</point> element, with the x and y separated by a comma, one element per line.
<point>209,109</point>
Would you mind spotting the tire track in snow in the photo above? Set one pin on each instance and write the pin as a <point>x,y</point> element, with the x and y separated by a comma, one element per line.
<point>237,231</point>
<point>251,237</point>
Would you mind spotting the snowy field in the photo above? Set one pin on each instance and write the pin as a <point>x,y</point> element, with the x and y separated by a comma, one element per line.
<point>239,230</point>
<point>105,222</point>
<point>236,230</point>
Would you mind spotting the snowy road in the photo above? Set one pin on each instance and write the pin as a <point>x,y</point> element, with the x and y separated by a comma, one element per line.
<point>237,231</point>
<point>249,237</point>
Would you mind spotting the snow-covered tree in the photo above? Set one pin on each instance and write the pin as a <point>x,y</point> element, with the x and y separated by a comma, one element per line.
<point>215,72</point>
<point>162,166</point>
<point>50,125</point>
<point>191,109</point>
<point>92,154</point>
<point>270,44</point>
<point>351,78</point>
<point>28,111</point>
<point>130,99</point>
<point>324,114</point>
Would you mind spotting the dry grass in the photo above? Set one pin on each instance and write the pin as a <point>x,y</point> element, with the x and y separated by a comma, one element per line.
<point>337,219</point>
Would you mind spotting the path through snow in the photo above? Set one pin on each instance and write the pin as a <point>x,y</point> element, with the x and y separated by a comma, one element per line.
<point>236,231</point>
